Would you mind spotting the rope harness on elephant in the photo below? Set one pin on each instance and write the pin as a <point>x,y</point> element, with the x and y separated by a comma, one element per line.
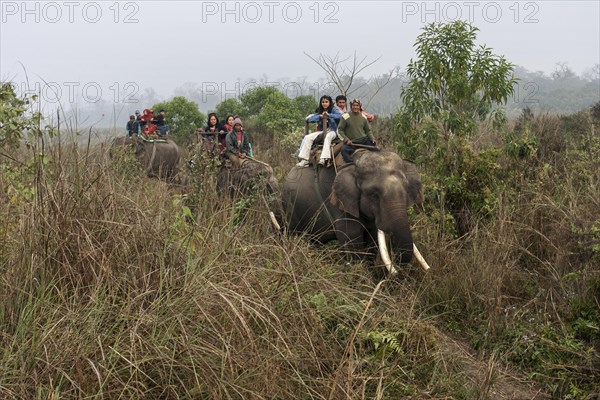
<point>321,200</point>
<point>149,167</point>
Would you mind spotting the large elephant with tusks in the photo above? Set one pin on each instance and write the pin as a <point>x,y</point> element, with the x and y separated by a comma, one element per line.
<point>363,206</point>
<point>160,157</point>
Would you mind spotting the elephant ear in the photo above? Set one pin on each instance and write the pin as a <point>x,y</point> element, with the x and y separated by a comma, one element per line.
<point>345,194</point>
<point>139,148</point>
<point>414,188</point>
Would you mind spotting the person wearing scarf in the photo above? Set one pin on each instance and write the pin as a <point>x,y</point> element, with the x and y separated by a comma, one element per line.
<point>354,129</point>
<point>237,145</point>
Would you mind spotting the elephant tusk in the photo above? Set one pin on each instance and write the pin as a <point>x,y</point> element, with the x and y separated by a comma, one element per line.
<point>420,258</point>
<point>274,220</point>
<point>383,251</point>
<point>258,161</point>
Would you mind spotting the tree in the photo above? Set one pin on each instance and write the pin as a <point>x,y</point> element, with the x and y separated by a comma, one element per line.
<point>453,82</point>
<point>279,114</point>
<point>254,100</point>
<point>183,117</point>
<point>344,72</point>
<point>15,121</point>
<point>562,71</point>
<point>305,104</point>
<point>229,107</point>
<point>453,85</point>
<point>270,109</point>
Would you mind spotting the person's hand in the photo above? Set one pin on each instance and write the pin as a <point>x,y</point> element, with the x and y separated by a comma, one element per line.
<point>349,142</point>
<point>242,155</point>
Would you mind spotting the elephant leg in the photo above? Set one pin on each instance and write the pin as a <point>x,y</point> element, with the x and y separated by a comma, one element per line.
<point>350,235</point>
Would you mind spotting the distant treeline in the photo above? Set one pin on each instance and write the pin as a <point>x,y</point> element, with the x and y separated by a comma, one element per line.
<point>563,91</point>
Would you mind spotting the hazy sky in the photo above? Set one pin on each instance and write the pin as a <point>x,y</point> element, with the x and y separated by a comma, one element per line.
<point>116,49</point>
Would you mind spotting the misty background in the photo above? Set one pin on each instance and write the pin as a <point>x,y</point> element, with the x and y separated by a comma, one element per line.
<point>98,62</point>
<point>562,91</point>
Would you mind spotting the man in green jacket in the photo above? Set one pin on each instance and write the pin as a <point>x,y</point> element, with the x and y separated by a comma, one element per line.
<point>237,146</point>
<point>354,129</point>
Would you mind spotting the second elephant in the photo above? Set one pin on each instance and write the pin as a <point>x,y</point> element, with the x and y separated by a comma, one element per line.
<point>160,158</point>
<point>252,177</point>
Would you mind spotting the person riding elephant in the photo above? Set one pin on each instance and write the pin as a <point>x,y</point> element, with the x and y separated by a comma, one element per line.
<point>161,124</point>
<point>354,129</point>
<point>133,127</point>
<point>364,202</point>
<point>237,145</point>
<point>325,111</point>
<point>160,158</point>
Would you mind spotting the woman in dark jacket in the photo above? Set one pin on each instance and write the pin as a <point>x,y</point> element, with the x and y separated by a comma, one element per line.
<point>215,127</point>
<point>213,124</point>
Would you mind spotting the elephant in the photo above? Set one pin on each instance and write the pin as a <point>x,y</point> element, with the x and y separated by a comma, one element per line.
<point>160,158</point>
<point>357,204</point>
<point>253,174</point>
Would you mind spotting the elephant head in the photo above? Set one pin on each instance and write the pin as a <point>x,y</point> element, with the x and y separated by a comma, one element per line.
<point>245,180</point>
<point>375,193</point>
<point>160,158</point>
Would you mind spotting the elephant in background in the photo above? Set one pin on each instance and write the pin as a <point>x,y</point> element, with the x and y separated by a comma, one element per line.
<point>245,180</point>
<point>363,202</point>
<point>160,158</point>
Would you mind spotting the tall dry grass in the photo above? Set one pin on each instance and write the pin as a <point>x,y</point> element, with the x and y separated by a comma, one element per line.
<point>111,288</point>
<point>524,287</point>
<point>114,286</point>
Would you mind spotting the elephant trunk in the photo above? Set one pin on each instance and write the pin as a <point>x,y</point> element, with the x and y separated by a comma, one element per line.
<point>396,225</point>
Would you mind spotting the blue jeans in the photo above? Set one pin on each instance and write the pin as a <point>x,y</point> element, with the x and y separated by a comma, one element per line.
<point>347,150</point>
<point>162,130</point>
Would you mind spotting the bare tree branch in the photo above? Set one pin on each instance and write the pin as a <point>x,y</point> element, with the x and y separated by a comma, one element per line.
<point>343,73</point>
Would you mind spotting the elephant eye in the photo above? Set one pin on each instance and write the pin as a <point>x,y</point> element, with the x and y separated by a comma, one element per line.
<point>374,193</point>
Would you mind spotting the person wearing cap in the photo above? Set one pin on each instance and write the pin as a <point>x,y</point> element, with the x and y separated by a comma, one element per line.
<point>138,116</point>
<point>354,129</point>
<point>133,127</point>
<point>340,103</point>
<point>160,123</point>
<point>237,145</point>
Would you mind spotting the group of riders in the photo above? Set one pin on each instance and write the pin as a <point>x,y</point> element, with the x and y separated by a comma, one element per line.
<point>147,125</point>
<point>352,128</point>
<point>230,141</point>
